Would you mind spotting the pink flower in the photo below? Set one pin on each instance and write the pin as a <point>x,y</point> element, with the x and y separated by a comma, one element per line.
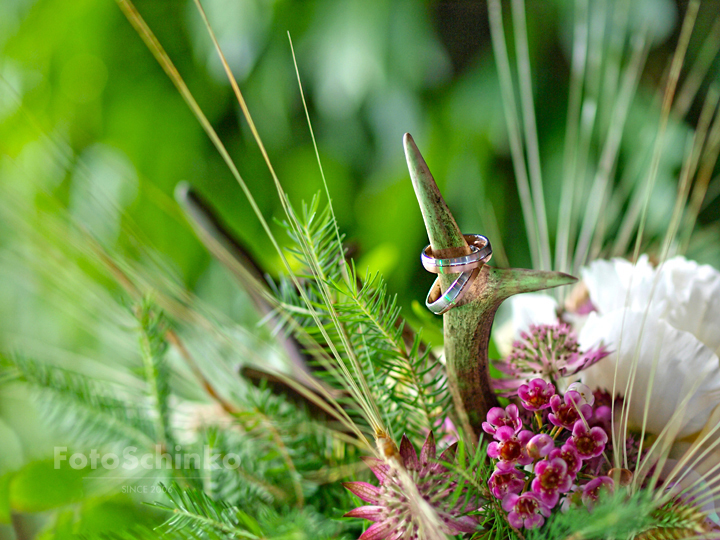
<point>540,446</point>
<point>395,516</point>
<point>510,448</point>
<point>551,479</point>
<point>550,351</point>
<point>566,414</point>
<point>589,443</point>
<point>526,510</point>
<point>503,482</point>
<point>591,490</point>
<point>498,417</point>
<point>536,395</point>
<point>570,456</point>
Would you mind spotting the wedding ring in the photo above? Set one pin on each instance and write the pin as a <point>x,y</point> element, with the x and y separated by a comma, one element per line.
<point>447,300</point>
<point>481,253</point>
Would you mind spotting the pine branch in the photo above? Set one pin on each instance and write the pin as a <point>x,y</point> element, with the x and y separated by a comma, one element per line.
<point>101,415</point>
<point>373,318</point>
<point>153,346</point>
<point>403,384</point>
<point>195,512</point>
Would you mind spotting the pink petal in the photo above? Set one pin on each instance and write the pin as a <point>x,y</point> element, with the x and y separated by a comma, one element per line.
<point>509,501</point>
<point>448,455</point>
<point>502,384</point>
<point>506,368</point>
<point>495,414</point>
<point>408,454</point>
<point>488,428</point>
<point>515,520</point>
<point>367,492</point>
<point>398,534</point>
<point>535,520</point>
<point>373,513</point>
<point>492,450</point>
<point>378,467</point>
<point>549,499</point>
<point>427,452</point>
<point>566,484</point>
<point>377,531</point>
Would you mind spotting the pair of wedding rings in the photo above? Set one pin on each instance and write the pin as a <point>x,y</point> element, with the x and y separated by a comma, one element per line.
<point>468,266</point>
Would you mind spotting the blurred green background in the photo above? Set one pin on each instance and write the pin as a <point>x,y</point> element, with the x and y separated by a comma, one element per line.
<point>90,125</point>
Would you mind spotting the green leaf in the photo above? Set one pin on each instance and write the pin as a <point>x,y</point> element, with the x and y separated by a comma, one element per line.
<point>39,486</point>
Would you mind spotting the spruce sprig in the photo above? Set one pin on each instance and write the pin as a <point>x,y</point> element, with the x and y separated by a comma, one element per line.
<point>90,411</point>
<point>157,374</point>
<point>197,515</point>
<point>406,381</point>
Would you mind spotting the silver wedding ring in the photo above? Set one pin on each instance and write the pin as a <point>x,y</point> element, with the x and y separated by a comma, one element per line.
<point>452,295</point>
<point>481,251</point>
<point>467,266</point>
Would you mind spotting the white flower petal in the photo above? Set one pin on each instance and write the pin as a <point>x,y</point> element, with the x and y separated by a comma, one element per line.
<point>532,308</point>
<point>680,362</point>
<point>692,296</point>
<point>682,292</point>
<point>608,283</point>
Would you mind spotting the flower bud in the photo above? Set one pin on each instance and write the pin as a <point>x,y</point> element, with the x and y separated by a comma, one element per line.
<point>584,391</point>
<point>540,446</point>
<point>621,477</point>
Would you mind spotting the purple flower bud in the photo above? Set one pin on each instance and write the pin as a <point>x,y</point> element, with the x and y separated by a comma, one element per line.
<point>540,446</point>
<point>602,417</point>
<point>536,394</point>
<point>584,391</point>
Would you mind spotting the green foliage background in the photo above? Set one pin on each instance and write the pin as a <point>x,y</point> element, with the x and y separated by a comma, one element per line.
<point>90,125</point>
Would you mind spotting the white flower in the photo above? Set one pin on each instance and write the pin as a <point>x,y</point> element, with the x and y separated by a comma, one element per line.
<point>664,328</point>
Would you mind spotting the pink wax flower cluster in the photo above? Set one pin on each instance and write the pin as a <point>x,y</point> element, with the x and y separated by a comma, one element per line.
<point>557,453</point>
